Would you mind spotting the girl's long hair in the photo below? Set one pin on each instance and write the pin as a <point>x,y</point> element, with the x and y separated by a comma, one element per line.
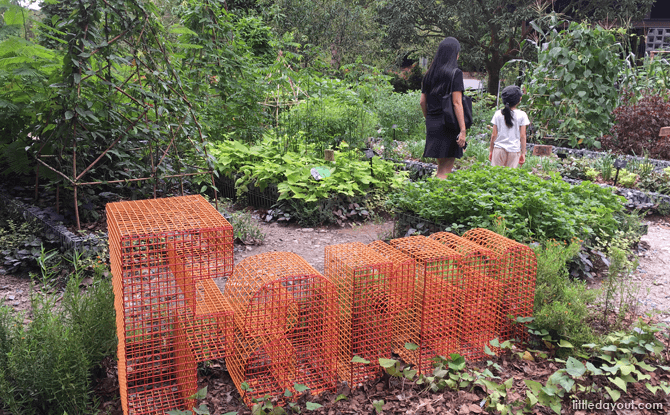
<point>511,96</point>
<point>438,76</point>
<point>507,113</point>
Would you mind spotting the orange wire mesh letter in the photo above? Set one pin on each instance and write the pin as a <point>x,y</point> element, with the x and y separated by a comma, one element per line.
<point>516,268</point>
<point>361,276</point>
<point>286,332</point>
<point>481,294</point>
<point>160,250</point>
<point>401,286</point>
<point>437,300</point>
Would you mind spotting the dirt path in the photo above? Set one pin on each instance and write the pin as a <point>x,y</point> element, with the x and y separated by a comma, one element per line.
<point>309,243</point>
<point>652,275</point>
<point>653,272</point>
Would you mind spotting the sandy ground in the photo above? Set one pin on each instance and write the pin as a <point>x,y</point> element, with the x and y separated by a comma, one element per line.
<point>653,273</point>
<point>310,243</point>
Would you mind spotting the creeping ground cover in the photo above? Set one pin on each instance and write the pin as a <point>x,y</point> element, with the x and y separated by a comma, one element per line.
<point>532,207</point>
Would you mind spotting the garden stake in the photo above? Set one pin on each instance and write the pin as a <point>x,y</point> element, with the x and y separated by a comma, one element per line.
<point>619,164</point>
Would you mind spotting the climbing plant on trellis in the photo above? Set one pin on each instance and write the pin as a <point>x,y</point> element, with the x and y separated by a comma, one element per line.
<point>121,113</point>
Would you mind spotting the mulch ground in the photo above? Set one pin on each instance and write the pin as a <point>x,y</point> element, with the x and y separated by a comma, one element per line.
<point>406,397</point>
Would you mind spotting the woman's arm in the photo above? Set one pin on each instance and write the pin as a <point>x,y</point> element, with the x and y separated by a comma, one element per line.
<point>457,98</point>
<point>522,133</point>
<point>494,135</point>
<point>422,102</point>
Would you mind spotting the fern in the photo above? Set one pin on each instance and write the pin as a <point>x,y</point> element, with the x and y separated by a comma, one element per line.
<point>15,158</point>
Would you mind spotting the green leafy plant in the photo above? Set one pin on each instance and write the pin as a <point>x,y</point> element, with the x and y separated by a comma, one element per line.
<point>606,166</point>
<point>201,410</point>
<point>591,174</point>
<point>561,303</point>
<point>340,115</point>
<point>399,117</point>
<point>268,163</point>
<point>574,168</point>
<point>21,245</point>
<point>655,182</point>
<point>245,229</point>
<point>627,178</point>
<point>617,290</point>
<point>533,208</point>
<point>571,89</point>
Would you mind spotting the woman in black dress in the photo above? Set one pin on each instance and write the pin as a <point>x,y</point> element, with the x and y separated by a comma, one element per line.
<point>442,143</point>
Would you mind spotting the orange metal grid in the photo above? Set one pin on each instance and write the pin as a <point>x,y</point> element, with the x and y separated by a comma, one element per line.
<point>438,300</point>
<point>285,326</point>
<point>361,276</point>
<point>516,268</point>
<point>401,288</point>
<point>151,244</point>
<point>481,294</point>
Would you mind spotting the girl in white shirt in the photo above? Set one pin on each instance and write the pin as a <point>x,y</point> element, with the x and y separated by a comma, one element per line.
<point>508,140</point>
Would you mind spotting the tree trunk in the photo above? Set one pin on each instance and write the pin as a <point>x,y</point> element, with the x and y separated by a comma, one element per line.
<point>493,69</point>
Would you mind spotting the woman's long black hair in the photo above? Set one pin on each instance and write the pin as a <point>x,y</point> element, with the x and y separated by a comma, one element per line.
<point>443,64</point>
<point>511,96</point>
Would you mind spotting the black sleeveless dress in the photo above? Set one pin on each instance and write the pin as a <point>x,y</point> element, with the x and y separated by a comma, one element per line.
<point>440,141</point>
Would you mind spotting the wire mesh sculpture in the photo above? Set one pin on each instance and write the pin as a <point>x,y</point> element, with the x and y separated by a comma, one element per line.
<point>515,266</point>
<point>437,303</point>
<point>482,295</point>
<point>164,254</point>
<point>362,279</point>
<point>401,289</point>
<point>285,326</point>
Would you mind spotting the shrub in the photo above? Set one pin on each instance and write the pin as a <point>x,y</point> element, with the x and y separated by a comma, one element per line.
<point>245,229</point>
<point>268,163</point>
<point>637,125</point>
<point>532,207</point>
<point>560,302</point>
<point>329,120</point>
<point>403,112</point>
<point>45,365</point>
<point>407,79</point>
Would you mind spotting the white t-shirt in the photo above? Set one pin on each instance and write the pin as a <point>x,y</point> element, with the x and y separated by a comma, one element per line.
<point>509,139</point>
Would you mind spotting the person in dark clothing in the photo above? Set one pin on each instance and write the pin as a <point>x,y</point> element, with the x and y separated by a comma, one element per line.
<point>442,143</point>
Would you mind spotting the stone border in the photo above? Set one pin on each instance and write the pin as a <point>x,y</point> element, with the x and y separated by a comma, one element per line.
<point>53,230</point>
<point>637,199</point>
<point>659,164</point>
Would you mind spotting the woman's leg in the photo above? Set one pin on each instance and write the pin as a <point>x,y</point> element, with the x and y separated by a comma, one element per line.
<point>444,167</point>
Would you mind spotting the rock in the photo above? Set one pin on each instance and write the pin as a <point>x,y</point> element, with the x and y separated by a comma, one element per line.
<point>10,297</point>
